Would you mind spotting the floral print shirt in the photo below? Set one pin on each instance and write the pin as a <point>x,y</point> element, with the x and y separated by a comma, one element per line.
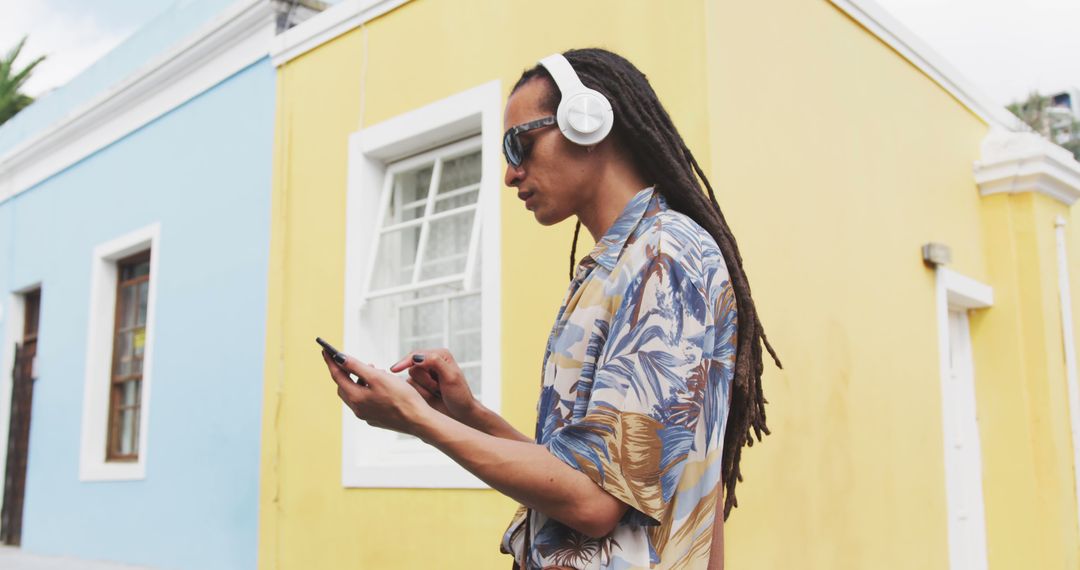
<point>635,393</point>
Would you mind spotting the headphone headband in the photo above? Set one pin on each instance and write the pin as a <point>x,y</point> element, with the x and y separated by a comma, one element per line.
<point>584,115</point>
<point>563,73</point>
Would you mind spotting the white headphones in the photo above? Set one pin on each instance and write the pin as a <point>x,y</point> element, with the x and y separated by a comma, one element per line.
<point>584,116</point>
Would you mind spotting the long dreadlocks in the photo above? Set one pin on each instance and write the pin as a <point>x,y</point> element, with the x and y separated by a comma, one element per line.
<point>644,127</point>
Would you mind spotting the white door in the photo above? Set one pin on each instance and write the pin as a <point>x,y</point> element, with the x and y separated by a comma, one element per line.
<point>963,457</point>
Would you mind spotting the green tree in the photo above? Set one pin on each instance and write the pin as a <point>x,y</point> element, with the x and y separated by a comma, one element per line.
<point>1040,115</point>
<point>11,80</point>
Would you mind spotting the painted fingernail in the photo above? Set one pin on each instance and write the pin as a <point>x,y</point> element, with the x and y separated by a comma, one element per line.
<point>418,358</point>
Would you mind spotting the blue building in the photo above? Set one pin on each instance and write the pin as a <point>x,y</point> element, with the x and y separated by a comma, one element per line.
<point>134,230</point>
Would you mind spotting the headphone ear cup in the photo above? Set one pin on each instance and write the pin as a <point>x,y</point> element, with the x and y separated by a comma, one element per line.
<point>585,117</point>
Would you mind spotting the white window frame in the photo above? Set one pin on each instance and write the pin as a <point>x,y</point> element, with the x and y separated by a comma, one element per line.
<point>372,457</point>
<point>436,156</point>
<point>957,292</point>
<point>99,347</point>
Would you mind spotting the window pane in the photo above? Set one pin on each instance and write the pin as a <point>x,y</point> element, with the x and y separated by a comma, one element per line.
<point>122,353</point>
<point>127,431</point>
<point>129,392</point>
<point>465,319</point>
<point>457,201</point>
<point>409,193</point>
<point>472,376</point>
<point>128,306</point>
<point>126,417</point>
<point>396,257</point>
<point>140,314</point>
<point>422,326</point>
<point>433,291</point>
<point>447,245</point>
<point>133,270</point>
<point>460,172</point>
<point>138,342</point>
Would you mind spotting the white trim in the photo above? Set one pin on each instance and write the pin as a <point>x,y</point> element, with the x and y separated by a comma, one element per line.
<point>327,25</point>
<point>964,292</point>
<point>1069,341</point>
<point>99,338</point>
<point>880,23</point>
<point>12,334</point>
<point>1025,162</point>
<point>233,41</point>
<point>371,149</point>
<point>959,293</point>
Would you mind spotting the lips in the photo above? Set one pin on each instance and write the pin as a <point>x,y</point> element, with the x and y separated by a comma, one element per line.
<point>525,195</point>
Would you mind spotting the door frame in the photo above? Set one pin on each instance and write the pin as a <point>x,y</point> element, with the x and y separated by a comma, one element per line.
<point>957,292</point>
<point>13,327</point>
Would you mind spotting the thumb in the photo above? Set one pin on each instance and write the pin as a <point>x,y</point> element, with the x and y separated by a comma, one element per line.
<point>365,372</point>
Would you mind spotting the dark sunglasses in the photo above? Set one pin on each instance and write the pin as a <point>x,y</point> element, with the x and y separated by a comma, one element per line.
<point>512,148</point>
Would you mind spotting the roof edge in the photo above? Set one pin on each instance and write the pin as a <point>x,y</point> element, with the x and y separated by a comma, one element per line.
<point>889,30</point>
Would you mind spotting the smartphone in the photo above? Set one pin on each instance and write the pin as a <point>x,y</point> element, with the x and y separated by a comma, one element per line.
<point>335,354</point>
<point>338,357</point>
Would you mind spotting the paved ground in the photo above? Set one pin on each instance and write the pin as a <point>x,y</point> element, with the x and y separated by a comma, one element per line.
<point>16,559</point>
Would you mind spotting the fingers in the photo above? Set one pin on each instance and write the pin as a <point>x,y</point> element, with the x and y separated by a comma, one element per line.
<point>423,378</point>
<point>341,377</point>
<point>433,360</point>
<point>424,392</point>
<point>440,364</point>
<point>366,374</point>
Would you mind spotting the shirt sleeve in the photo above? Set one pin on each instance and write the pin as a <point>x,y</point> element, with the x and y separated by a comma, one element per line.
<point>651,385</point>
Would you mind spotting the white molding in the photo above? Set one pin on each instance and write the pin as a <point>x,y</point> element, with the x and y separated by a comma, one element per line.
<point>16,304</point>
<point>1069,341</point>
<point>99,339</point>
<point>438,123</point>
<point>326,26</point>
<point>228,44</point>
<point>477,110</point>
<point>1013,162</point>
<point>959,292</point>
<point>880,23</point>
<point>964,292</point>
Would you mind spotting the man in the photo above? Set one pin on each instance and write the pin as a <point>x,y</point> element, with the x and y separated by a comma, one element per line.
<point>651,385</point>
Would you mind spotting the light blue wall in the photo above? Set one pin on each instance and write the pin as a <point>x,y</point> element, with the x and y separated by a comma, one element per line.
<point>203,172</point>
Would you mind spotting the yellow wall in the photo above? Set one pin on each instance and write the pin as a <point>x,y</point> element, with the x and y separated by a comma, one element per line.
<point>306,519</point>
<point>837,160</point>
<point>834,160</point>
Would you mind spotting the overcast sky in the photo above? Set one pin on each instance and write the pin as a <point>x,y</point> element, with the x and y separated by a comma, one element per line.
<point>73,33</point>
<point>1004,47</point>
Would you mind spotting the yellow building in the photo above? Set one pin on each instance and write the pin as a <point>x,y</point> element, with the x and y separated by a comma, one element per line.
<point>923,418</point>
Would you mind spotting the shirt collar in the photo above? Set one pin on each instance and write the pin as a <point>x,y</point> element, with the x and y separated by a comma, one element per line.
<point>607,250</point>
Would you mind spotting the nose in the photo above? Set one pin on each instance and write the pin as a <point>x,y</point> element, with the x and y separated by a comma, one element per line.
<point>513,175</point>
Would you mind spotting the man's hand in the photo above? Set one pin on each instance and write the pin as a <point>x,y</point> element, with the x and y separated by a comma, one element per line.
<point>524,471</point>
<point>437,378</point>
<point>378,397</point>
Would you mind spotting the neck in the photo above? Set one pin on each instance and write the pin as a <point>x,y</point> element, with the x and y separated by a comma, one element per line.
<point>618,184</point>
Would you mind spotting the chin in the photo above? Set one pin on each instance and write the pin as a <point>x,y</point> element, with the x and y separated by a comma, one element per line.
<point>549,219</point>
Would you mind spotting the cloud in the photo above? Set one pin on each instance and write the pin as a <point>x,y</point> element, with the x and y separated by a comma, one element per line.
<point>72,42</point>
